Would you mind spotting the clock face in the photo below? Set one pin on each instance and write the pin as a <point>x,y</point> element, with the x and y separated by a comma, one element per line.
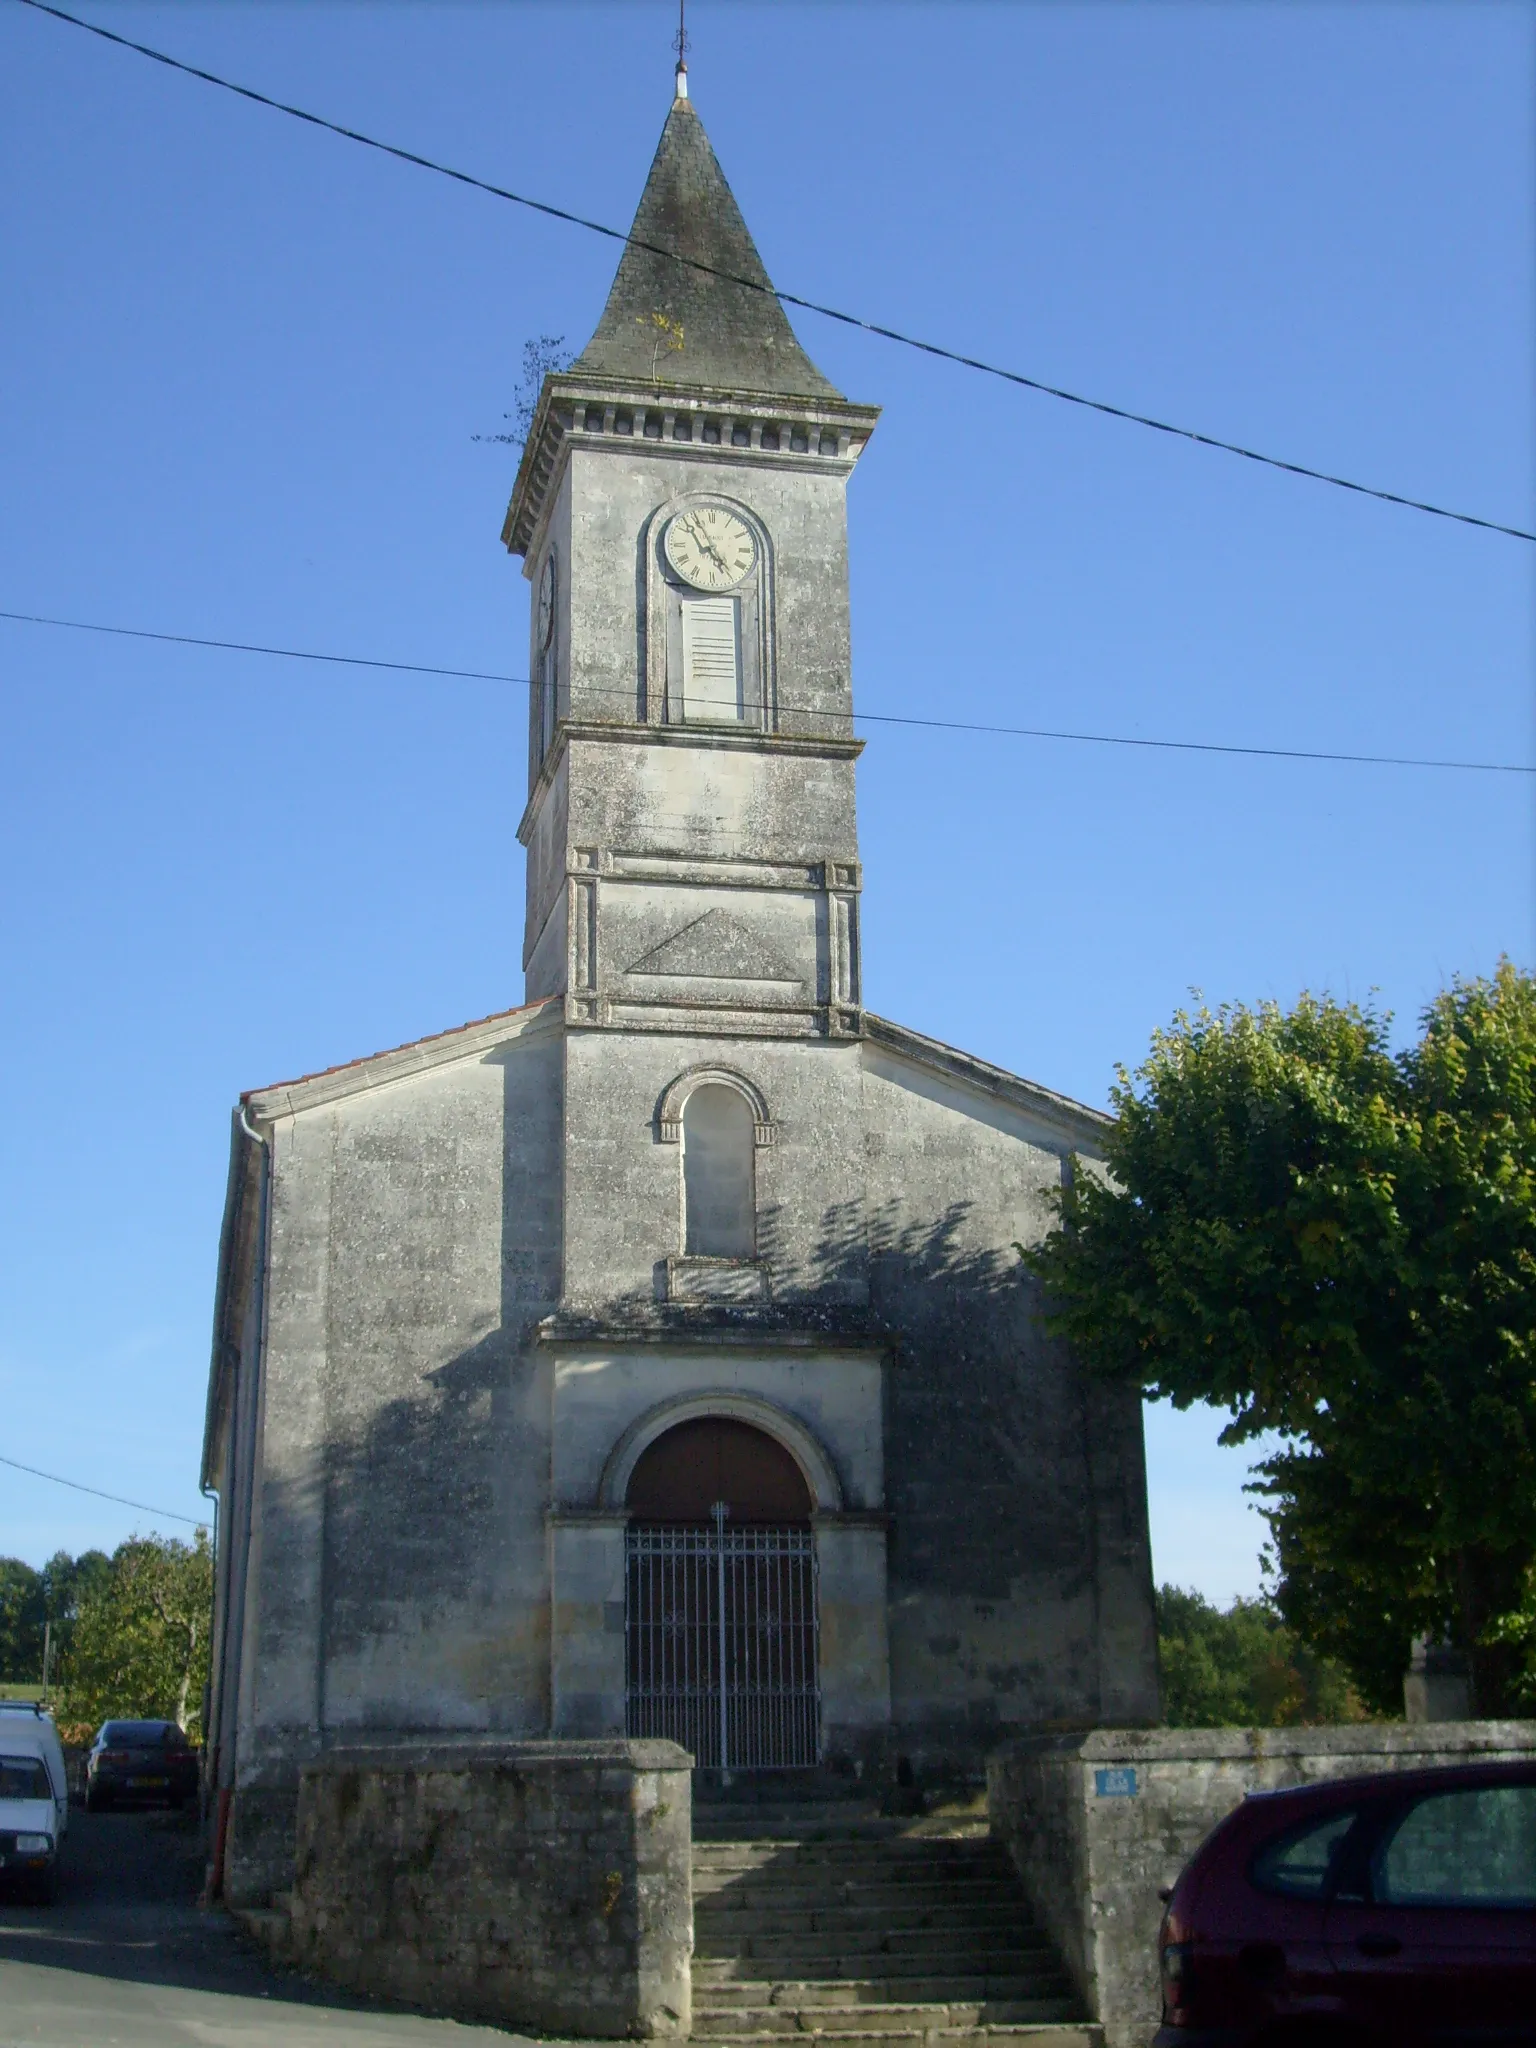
<point>547,600</point>
<point>710,547</point>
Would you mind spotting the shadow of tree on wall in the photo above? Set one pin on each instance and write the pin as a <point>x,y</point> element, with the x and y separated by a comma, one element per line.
<point>1005,1463</point>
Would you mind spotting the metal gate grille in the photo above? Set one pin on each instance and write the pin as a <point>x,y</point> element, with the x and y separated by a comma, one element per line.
<point>721,1643</point>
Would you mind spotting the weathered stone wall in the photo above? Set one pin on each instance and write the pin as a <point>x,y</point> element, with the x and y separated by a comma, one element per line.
<point>623,1184</point>
<point>1098,1823</point>
<point>544,1885</point>
<point>600,521</point>
<point>1021,1581</point>
<point>398,1566</point>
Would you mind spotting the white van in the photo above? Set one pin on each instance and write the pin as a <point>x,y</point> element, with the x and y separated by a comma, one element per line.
<point>34,1796</point>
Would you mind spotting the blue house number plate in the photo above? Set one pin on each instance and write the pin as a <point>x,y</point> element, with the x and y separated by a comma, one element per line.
<point>1119,1783</point>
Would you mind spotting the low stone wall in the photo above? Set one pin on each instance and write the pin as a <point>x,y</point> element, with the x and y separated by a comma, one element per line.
<point>1097,1823</point>
<point>545,1884</point>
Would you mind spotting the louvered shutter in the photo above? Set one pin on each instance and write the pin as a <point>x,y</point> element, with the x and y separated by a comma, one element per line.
<point>711,659</point>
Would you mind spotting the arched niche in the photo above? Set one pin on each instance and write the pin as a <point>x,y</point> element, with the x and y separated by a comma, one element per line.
<point>665,598</point>
<point>719,1175</point>
<point>669,1111</point>
<point>816,1469</point>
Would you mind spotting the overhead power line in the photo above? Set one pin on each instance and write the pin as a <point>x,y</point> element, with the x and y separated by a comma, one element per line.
<point>930,348</point>
<point>1020,732</point>
<point>143,1506</point>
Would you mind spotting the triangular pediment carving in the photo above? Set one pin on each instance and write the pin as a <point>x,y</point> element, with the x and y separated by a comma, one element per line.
<point>716,947</point>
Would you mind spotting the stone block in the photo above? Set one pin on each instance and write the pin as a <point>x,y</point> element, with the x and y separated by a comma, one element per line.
<point>545,1885</point>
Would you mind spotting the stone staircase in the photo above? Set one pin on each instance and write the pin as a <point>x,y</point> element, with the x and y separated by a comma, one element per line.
<point>831,1920</point>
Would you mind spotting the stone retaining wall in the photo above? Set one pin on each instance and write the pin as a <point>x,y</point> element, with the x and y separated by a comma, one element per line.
<point>544,1884</point>
<point>1097,1822</point>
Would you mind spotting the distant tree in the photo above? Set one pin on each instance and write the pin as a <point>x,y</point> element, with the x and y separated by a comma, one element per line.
<point>23,1611</point>
<point>541,355</point>
<point>140,1638</point>
<point>1243,1667</point>
<point>1339,1245</point>
<point>67,1582</point>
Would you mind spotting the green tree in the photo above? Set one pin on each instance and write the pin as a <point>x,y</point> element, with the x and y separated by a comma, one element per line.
<point>1243,1668</point>
<point>23,1611</point>
<point>1339,1245</point>
<point>140,1637</point>
<point>67,1582</point>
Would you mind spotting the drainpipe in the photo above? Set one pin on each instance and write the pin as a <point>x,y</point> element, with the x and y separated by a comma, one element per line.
<point>234,1616</point>
<point>205,1705</point>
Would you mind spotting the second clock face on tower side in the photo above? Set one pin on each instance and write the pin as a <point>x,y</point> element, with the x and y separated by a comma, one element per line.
<point>546,618</point>
<point>709,547</point>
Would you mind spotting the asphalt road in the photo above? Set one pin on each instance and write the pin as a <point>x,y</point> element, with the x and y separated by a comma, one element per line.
<point>127,1958</point>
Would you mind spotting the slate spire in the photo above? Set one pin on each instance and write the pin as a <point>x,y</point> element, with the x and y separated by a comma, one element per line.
<point>666,322</point>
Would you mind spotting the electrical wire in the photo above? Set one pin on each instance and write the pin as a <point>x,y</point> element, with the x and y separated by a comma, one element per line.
<point>1022,732</point>
<point>930,348</point>
<point>17,1466</point>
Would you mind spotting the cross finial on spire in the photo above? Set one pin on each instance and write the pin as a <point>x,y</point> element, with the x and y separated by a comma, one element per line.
<point>680,44</point>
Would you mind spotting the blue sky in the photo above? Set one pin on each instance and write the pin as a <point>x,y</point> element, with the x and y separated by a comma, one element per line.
<point>242,367</point>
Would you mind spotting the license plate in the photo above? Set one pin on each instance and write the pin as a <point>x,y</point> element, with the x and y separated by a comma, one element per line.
<point>147,1784</point>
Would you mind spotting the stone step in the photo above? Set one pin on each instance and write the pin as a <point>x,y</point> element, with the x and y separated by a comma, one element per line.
<point>1048,2034</point>
<point>878,1932</point>
<point>860,1992</point>
<point>891,2019</point>
<point>811,1945</point>
<point>268,1926</point>
<point>1019,1956</point>
<point>719,1824</point>
<point>914,1891</point>
<point>898,1852</point>
<point>850,1917</point>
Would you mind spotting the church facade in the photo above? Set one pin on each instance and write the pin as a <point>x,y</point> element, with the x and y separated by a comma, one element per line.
<point>654,1357</point>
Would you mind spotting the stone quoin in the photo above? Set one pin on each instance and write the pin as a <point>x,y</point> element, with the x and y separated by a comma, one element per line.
<point>652,1361</point>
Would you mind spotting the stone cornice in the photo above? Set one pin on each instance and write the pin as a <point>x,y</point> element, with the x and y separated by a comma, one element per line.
<point>833,432</point>
<point>797,1326</point>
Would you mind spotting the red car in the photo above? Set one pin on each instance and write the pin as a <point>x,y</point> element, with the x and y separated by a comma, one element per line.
<point>1381,1912</point>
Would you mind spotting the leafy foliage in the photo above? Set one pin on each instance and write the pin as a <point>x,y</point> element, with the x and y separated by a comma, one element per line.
<point>1339,1245</point>
<point>140,1641</point>
<point>22,1612</point>
<point>1243,1668</point>
<point>30,1600</point>
<point>541,355</point>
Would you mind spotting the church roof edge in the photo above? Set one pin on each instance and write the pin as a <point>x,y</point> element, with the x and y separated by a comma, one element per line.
<point>981,1074</point>
<point>307,1091</point>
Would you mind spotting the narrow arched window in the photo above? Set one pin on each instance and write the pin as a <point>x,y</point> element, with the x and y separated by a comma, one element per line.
<point>719,1194</point>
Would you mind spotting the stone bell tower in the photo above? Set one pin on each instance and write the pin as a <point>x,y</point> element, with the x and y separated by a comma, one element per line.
<point>692,847</point>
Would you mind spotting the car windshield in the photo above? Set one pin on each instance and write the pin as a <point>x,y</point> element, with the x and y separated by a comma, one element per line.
<point>23,1777</point>
<point>136,1734</point>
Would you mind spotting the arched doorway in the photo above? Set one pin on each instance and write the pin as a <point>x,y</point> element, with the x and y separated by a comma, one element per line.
<point>720,1615</point>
